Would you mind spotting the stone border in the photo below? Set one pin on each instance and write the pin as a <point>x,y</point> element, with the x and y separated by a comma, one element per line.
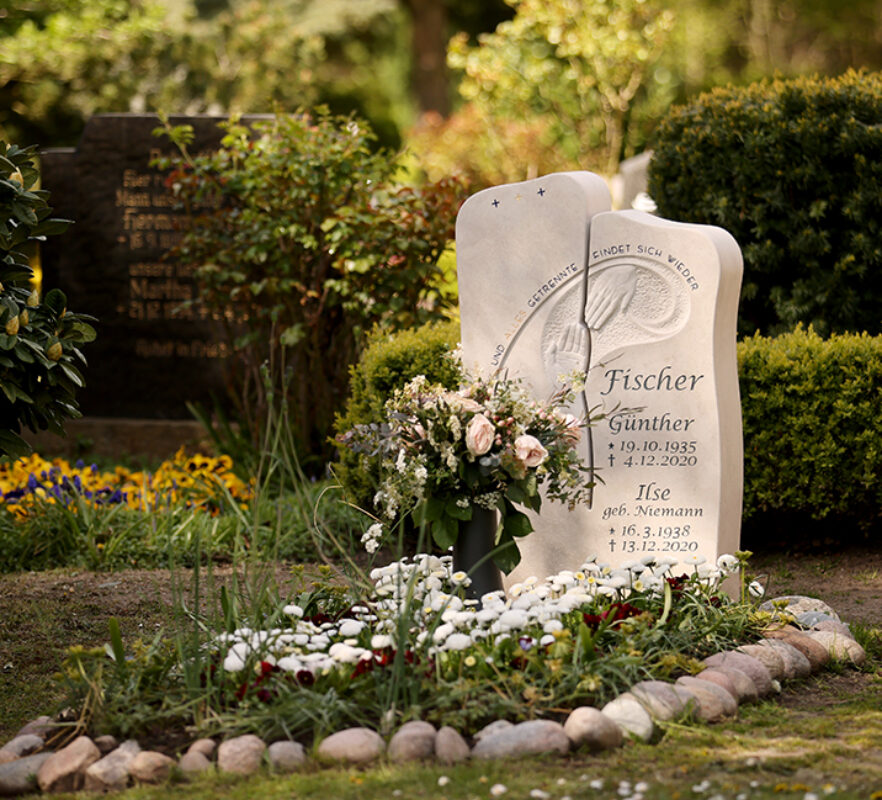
<point>730,678</point>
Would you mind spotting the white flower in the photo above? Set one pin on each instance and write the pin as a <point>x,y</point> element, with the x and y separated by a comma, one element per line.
<point>726,563</point>
<point>344,653</point>
<point>460,578</point>
<point>756,589</point>
<point>458,641</point>
<point>498,789</point>
<point>351,627</point>
<point>442,632</point>
<point>443,780</point>
<point>293,611</point>
<point>233,663</point>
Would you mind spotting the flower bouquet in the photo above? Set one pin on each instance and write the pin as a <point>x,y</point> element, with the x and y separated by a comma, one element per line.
<point>445,456</point>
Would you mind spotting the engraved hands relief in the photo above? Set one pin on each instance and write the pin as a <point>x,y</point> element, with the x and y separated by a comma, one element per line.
<point>570,351</point>
<point>610,294</point>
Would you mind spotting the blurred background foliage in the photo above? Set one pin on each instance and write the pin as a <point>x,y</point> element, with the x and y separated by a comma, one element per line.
<point>550,85</point>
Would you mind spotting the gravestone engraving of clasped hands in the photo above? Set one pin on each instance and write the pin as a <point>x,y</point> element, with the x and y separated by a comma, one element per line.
<point>552,282</point>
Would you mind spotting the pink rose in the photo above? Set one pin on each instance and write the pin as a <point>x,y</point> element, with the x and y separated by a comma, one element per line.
<point>530,450</point>
<point>479,435</point>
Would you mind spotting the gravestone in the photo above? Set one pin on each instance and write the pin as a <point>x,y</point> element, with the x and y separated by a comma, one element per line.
<point>551,282</point>
<point>150,357</point>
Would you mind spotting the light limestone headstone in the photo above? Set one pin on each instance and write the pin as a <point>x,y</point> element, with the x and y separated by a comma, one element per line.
<point>551,282</point>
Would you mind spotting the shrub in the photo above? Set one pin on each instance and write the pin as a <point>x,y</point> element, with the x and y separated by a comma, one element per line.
<point>793,170</point>
<point>389,361</point>
<point>812,430</point>
<point>39,341</point>
<point>300,234</point>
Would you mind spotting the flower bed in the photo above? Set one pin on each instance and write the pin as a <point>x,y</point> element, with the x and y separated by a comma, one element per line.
<point>414,646</point>
<point>198,481</point>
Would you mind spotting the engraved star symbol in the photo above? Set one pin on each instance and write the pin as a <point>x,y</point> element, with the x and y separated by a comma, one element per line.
<point>612,446</point>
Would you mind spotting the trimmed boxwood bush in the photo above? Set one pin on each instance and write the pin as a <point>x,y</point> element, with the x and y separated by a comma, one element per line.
<point>389,361</point>
<point>812,425</point>
<point>793,170</point>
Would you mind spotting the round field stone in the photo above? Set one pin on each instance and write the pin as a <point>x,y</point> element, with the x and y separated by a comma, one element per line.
<point>492,728</point>
<point>660,699</point>
<point>41,726</point>
<point>831,625</point>
<point>194,762</point>
<point>526,738</point>
<point>747,664</point>
<point>20,776</point>
<point>352,745</point>
<point>286,756</point>
<point>149,766</point>
<point>64,770</point>
<point>241,755</point>
<point>796,665</point>
<point>204,746</point>
<point>809,619</point>
<point>450,747</point>
<point>770,658</point>
<point>816,654</point>
<point>413,741</point>
<point>743,688</point>
<point>630,715</point>
<point>23,745</point>
<point>727,702</point>
<point>842,648</point>
<point>590,728</point>
<point>111,773</point>
<point>797,604</point>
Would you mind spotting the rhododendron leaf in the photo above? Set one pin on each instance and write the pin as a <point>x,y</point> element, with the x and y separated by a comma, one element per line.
<point>515,493</point>
<point>458,512</point>
<point>433,509</point>
<point>444,531</point>
<point>506,555</point>
<point>517,524</point>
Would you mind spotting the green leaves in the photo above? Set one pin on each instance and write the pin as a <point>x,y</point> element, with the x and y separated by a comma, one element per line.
<point>301,233</point>
<point>38,372</point>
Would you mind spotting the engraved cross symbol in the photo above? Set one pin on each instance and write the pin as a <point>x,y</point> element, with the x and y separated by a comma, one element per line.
<point>541,192</point>
<point>495,203</point>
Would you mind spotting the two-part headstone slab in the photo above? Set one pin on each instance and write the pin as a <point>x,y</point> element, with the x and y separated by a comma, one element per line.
<point>552,282</point>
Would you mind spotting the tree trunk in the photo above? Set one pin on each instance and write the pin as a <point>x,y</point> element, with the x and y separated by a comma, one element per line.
<point>429,48</point>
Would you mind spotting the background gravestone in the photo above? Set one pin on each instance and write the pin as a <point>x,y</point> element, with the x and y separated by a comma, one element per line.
<point>149,359</point>
<point>652,318</point>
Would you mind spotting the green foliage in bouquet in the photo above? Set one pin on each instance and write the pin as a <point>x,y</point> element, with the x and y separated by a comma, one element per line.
<point>39,341</point>
<point>489,444</point>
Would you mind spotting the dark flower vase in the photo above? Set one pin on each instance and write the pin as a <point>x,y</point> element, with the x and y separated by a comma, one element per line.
<point>471,553</point>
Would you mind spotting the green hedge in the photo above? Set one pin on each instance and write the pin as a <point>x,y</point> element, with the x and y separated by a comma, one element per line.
<point>388,362</point>
<point>793,170</point>
<point>812,412</point>
<point>812,427</point>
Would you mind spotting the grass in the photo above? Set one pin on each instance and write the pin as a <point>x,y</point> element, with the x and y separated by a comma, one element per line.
<point>779,750</point>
